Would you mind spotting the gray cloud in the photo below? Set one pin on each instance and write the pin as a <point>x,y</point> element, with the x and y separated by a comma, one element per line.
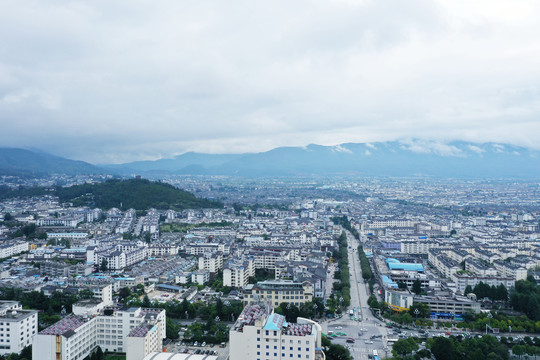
<point>125,80</point>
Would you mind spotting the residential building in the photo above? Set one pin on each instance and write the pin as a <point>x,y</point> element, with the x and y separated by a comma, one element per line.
<point>278,291</point>
<point>17,327</point>
<point>261,334</point>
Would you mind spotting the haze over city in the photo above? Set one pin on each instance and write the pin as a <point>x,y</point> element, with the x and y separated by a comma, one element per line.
<point>130,80</point>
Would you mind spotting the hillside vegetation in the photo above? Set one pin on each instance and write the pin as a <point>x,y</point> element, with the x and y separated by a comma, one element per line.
<point>138,194</point>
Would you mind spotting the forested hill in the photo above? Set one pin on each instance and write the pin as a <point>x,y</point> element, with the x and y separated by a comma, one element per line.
<point>138,194</point>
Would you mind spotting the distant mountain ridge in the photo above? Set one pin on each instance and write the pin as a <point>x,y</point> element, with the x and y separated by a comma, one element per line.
<point>397,158</point>
<point>22,162</point>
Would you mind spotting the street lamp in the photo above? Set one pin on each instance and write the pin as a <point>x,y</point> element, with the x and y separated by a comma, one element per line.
<point>452,317</point>
<point>217,318</point>
<point>416,312</point>
<point>489,316</point>
<point>315,310</point>
<point>187,315</point>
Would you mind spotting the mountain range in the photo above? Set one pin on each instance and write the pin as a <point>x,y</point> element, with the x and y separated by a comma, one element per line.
<point>397,158</point>
<point>34,163</point>
<point>412,158</point>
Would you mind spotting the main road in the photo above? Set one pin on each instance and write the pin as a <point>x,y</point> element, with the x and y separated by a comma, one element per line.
<point>368,326</point>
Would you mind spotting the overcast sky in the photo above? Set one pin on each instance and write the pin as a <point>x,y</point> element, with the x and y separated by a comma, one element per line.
<point>116,81</point>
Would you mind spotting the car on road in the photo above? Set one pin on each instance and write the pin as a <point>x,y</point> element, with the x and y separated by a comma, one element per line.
<point>338,327</point>
<point>203,344</point>
<point>368,342</point>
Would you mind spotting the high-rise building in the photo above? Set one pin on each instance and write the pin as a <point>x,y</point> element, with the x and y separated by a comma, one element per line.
<point>261,334</point>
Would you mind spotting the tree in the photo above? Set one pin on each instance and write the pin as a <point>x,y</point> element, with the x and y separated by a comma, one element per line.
<point>8,217</point>
<point>404,346</point>
<point>468,290</point>
<point>518,350</point>
<point>146,302</point>
<point>99,354</point>
<point>502,293</point>
<point>171,329</point>
<point>423,310</point>
<point>86,294</point>
<point>147,237</point>
<point>124,292</point>
<point>104,264</point>
<point>417,286</point>
<point>443,349</point>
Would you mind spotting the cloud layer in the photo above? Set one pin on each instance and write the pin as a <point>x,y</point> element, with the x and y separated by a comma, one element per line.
<point>125,80</point>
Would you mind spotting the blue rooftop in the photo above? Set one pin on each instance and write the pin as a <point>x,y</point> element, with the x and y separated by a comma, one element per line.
<point>275,322</point>
<point>394,264</point>
<point>389,282</point>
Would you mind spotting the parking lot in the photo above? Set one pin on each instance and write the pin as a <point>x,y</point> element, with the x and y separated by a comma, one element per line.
<point>204,349</point>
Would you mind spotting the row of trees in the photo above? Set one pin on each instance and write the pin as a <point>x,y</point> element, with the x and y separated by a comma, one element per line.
<point>186,310</point>
<point>344,221</point>
<point>526,298</point>
<point>483,290</point>
<point>342,288</point>
<point>309,310</point>
<point>367,274</point>
<point>503,322</point>
<point>454,348</point>
<point>211,331</point>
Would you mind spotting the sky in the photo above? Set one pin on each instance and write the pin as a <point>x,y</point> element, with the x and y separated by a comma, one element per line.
<point>117,81</point>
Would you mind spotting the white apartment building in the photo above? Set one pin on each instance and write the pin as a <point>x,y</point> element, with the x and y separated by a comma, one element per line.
<point>463,280</point>
<point>17,327</point>
<point>200,277</point>
<point>208,248</point>
<point>114,329</point>
<point>162,250</point>
<point>75,337</point>
<point>418,246</point>
<point>143,340</point>
<point>260,334</point>
<point>184,278</point>
<point>67,235</point>
<point>237,273</point>
<point>12,248</point>
<point>101,291</point>
<point>276,292</point>
<point>211,262</point>
<point>72,338</point>
<point>381,224</point>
